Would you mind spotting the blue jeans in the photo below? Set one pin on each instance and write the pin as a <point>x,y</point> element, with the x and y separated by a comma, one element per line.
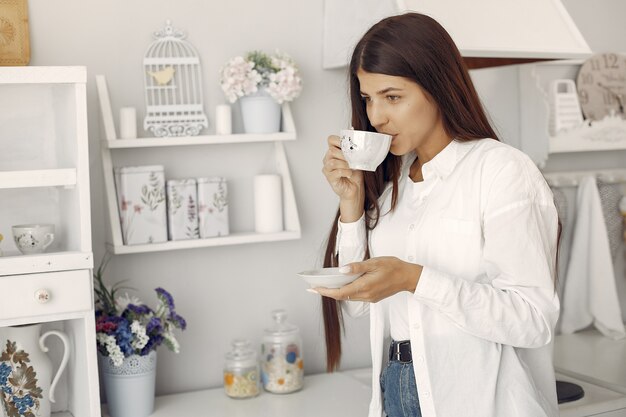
<point>397,382</point>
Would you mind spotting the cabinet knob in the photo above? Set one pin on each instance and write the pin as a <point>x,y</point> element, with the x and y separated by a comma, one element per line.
<point>42,295</point>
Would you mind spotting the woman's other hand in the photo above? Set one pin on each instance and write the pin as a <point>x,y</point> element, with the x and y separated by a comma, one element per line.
<point>346,183</point>
<point>382,277</point>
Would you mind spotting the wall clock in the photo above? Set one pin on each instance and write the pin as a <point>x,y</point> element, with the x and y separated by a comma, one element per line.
<point>601,85</point>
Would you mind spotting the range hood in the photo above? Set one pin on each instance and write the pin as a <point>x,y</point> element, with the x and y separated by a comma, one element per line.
<point>487,32</point>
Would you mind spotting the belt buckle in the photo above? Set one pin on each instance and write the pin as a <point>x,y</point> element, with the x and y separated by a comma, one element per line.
<point>397,353</point>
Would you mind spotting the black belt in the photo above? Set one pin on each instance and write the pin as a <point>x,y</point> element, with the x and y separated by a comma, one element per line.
<point>400,351</point>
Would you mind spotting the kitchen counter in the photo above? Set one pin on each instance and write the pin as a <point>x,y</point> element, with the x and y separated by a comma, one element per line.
<point>586,358</point>
<point>328,395</point>
<point>592,357</point>
<point>598,365</point>
<point>598,401</point>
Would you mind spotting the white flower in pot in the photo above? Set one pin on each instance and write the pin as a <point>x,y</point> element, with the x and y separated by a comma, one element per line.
<point>262,82</point>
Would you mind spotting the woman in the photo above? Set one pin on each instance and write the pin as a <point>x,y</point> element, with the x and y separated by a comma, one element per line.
<point>459,234</point>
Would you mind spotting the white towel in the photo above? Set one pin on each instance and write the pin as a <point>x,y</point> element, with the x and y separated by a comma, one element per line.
<point>590,295</point>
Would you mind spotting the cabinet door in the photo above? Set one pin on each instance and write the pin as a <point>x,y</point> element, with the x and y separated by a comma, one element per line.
<point>45,294</point>
<point>39,126</point>
<point>44,163</point>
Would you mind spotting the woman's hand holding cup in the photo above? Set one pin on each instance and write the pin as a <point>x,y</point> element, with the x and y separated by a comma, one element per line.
<point>347,183</point>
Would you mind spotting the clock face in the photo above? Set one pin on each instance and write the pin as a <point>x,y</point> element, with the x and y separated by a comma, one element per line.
<point>601,85</point>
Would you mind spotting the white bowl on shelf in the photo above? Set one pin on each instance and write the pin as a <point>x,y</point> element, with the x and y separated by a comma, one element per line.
<point>327,277</point>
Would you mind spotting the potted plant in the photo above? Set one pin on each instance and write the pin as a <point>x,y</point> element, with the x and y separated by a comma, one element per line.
<point>128,333</point>
<point>262,82</point>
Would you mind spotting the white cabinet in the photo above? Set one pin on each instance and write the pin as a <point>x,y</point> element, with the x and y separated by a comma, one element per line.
<point>111,145</point>
<point>44,178</point>
<point>536,141</point>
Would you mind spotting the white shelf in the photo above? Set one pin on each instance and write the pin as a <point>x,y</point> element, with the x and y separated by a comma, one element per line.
<point>232,239</point>
<point>573,178</point>
<point>534,86</point>
<point>43,75</point>
<point>290,211</point>
<point>605,135</point>
<point>13,263</point>
<point>46,318</point>
<point>197,140</point>
<point>38,178</point>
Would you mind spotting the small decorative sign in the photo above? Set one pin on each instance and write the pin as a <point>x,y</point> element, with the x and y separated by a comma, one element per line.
<point>14,40</point>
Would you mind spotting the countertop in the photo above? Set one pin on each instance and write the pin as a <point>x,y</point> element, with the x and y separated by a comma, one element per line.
<point>587,358</point>
<point>597,400</point>
<point>592,357</point>
<point>328,395</point>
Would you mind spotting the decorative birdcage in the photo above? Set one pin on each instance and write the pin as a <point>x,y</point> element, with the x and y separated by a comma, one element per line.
<point>172,75</point>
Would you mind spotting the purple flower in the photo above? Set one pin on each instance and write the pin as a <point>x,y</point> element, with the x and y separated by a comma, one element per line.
<point>152,344</point>
<point>138,309</point>
<point>156,322</point>
<point>178,321</point>
<point>165,297</point>
<point>154,325</point>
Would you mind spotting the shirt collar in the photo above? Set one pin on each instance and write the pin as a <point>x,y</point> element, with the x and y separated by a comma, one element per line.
<point>446,160</point>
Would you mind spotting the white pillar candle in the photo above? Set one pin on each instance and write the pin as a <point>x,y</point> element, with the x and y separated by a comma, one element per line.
<point>223,120</point>
<point>268,204</point>
<point>128,123</point>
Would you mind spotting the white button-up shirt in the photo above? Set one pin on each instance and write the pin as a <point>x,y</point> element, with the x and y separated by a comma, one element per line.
<point>481,320</point>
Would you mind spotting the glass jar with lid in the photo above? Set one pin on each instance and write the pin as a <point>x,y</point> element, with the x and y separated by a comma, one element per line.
<point>241,370</point>
<point>282,368</point>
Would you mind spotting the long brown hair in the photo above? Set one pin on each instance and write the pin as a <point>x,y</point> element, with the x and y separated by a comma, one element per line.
<point>416,47</point>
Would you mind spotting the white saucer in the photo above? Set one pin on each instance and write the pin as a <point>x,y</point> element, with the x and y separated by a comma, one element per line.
<point>327,277</point>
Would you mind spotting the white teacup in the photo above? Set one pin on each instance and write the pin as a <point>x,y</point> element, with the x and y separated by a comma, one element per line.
<point>364,150</point>
<point>33,238</point>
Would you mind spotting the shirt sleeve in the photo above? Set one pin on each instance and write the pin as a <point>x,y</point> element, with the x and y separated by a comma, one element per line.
<point>351,247</point>
<point>517,303</point>
<point>351,243</point>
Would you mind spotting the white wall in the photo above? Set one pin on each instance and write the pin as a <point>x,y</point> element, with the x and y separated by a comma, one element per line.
<point>223,292</point>
<point>229,292</point>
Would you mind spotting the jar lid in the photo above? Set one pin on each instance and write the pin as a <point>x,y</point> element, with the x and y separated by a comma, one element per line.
<point>242,351</point>
<point>280,326</point>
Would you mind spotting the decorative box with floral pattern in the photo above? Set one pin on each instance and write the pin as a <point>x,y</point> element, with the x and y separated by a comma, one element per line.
<point>213,207</point>
<point>141,199</point>
<point>182,209</point>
